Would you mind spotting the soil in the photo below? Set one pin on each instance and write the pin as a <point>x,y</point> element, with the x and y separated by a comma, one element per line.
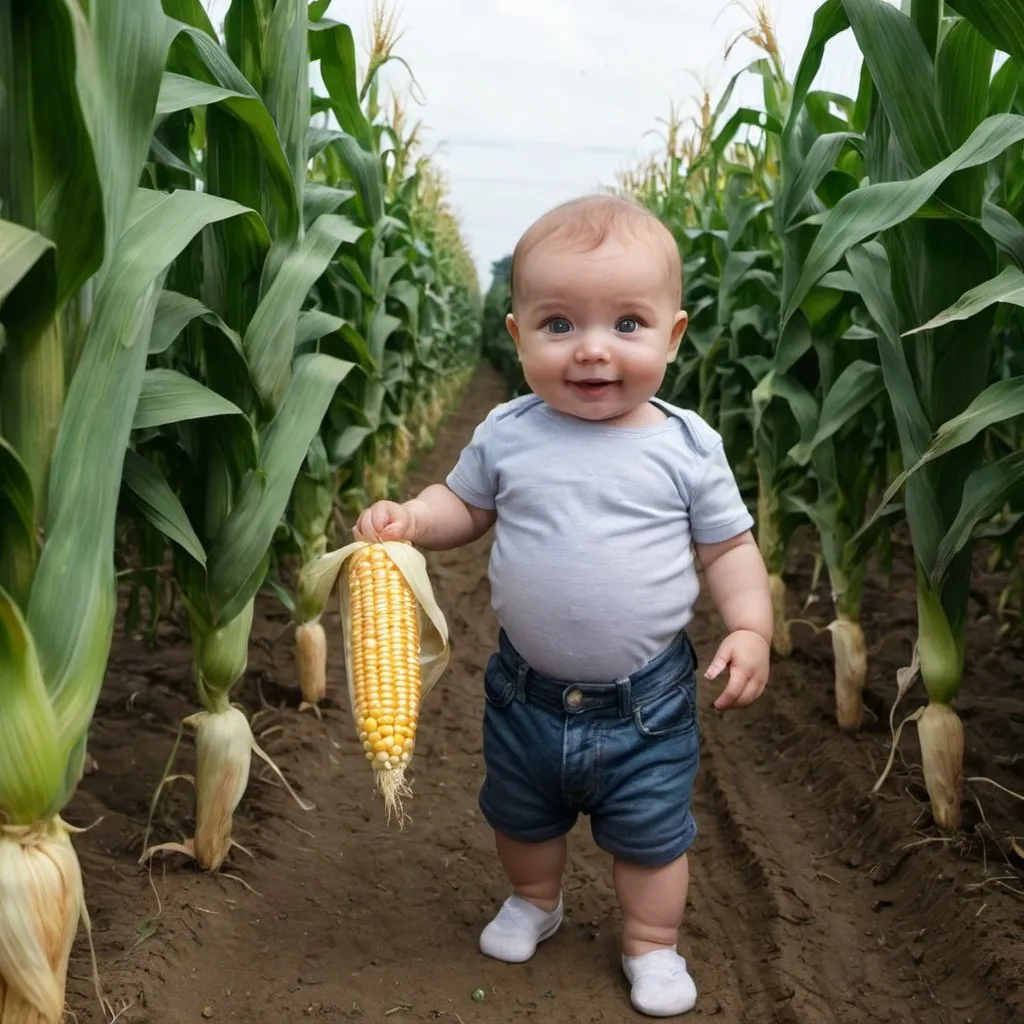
<point>813,901</point>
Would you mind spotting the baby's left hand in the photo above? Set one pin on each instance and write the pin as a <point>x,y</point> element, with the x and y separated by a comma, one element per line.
<point>746,654</point>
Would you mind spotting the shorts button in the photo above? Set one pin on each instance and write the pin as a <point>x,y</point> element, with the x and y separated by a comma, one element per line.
<point>574,698</point>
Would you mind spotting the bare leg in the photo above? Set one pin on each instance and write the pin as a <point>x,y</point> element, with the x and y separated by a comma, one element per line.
<point>534,912</point>
<point>534,869</point>
<point>653,902</point>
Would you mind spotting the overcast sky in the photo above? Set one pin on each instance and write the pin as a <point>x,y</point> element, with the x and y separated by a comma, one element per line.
<point>530,102</point>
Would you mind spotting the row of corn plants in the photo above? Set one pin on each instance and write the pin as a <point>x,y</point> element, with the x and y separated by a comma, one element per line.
<point>231,309</point>
<point>853,277</point>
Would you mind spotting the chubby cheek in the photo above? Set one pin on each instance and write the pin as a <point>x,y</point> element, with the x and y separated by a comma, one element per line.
<point>547,362</point>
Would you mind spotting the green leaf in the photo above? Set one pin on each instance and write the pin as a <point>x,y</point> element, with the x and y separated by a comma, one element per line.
<point>118,76</point>
<point>243,541</point>
<point>179,92</point>
<point>1001,22</point>
<point>904,79</point>
<point>866,212</point>
<point>32,755</point>
<point>1005,287</point>
<point>174,312</point>
<point>315,323</point>
<point>17,527</point>
<point>73,602</point>
<point>819,161</point>
<point>210,65</point>
<point>170,397</point>
<point>286,84</point>
<point>334,47</point>
<point>854,389</point>
<point>986,491</point>
<point>28,276</point>
<point>269,341</point>
<point>160,505</point>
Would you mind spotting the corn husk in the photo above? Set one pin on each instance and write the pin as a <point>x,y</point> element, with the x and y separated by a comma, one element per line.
<point>41,902</point>
<point>311,662</point>
<point>941,734</point>
<point>851,666</point>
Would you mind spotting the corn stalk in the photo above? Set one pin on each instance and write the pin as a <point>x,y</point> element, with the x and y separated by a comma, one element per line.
<point>924,226</point>
<point>83,252</point>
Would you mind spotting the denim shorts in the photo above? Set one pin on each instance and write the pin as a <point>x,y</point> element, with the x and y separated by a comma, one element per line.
<point>625,753</point>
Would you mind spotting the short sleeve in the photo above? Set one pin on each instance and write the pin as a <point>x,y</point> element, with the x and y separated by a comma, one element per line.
<point>717,510</point>
<point>473,478</point>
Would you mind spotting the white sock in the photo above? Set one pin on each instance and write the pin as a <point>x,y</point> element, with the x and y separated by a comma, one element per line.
<point>517,928</point>
<point>661,985</point>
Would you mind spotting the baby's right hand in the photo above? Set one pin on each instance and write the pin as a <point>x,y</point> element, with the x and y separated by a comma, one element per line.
<point>385,520</point>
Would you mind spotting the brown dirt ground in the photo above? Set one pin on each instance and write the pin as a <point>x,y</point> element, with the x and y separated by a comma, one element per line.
<point>812,900</point>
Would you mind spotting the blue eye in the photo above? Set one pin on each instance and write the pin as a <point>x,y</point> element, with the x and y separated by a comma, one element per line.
<point>627,325</point>
<point>559,325</point>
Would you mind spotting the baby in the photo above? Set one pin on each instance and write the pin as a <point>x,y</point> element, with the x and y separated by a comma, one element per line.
<point>604,500</point>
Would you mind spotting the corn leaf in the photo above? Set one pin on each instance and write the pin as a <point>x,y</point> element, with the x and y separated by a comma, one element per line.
<point>333,45</point>
<point>28,277</point>
<point>159,504</point>
<point>208,63</point>
<point>17,526</point>
<point>904,78</point>
<point>269,341</point>
<point>124,59</point>
<point>32,756</point>
<point>168,396</point>
<point>1006,287</point>
<point>240,549</point>
<point>286,84</point>
<point>46,156</point>
<point>315,323</point>
<point>73,601</point>
<point>174,312</point>
<point>1000,21</point>
<point>869,265</point>
<point>861,214</point>
<point>854,389</point>
<point>987,490</point>
<point>179,92</point>
<point>820,160</point>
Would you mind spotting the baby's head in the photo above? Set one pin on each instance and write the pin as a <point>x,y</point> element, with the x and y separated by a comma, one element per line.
<point>596,290</point>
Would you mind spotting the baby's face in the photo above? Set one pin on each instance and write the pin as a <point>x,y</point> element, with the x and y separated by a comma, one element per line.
<point>595,330</point>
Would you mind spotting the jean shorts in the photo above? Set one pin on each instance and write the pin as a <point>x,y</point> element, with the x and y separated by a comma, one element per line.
<point>625,753</point>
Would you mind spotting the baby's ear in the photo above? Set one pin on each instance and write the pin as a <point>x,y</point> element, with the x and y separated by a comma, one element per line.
<point>513,328</point>
<point>679,325</point>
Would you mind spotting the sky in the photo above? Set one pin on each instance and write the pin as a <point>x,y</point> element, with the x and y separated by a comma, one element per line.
<point>526,103</point>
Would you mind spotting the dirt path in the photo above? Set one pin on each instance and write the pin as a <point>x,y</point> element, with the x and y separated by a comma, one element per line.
<point>803,908</point>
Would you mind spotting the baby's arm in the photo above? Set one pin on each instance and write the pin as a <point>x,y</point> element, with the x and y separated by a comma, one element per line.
<point>738,583</point>
<point>443,520</point>
<point>436,519</point>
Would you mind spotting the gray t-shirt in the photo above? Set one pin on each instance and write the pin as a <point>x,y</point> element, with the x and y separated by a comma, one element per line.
<point>592,567</point>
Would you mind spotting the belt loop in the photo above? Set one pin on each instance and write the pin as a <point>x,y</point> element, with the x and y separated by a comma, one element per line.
<point>623,691</point>
<point>522,671</point>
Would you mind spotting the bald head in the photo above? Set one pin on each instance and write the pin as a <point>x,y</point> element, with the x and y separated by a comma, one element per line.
<point>584,224</point>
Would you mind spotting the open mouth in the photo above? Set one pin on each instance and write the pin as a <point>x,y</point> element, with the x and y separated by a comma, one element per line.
<point>593,387</point>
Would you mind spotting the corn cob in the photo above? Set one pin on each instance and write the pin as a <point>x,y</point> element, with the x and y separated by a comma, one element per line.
<point>386,675</point>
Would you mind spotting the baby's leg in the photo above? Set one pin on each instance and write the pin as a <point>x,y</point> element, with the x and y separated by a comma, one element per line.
<point>521,800</point>
<point>653,901</point>
<point>534,869</point>
<point>533,912</point>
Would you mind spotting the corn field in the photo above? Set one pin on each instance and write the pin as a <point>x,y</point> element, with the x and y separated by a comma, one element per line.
<point>235,309</point>
<point>231,307</point>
